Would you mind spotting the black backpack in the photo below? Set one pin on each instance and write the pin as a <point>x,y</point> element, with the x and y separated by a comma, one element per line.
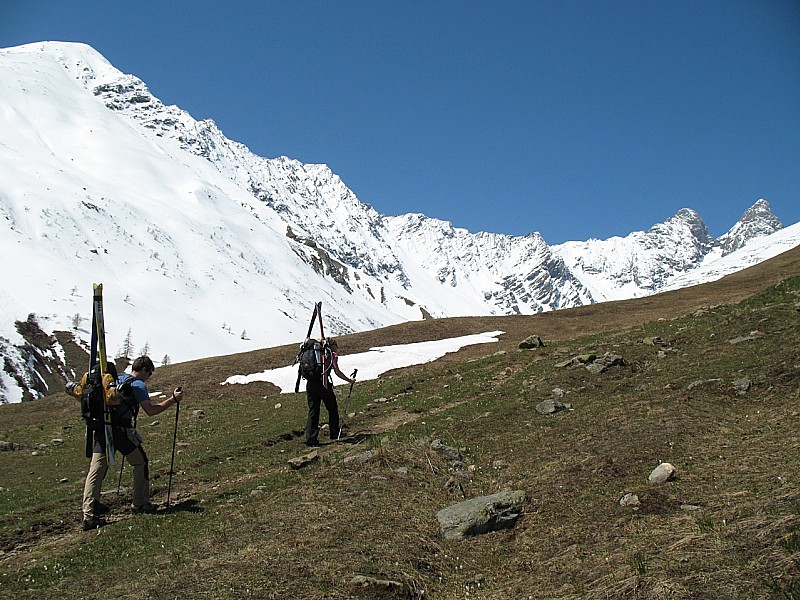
<point>97,393</point>
<point>311,356</point>
<point>93,398</point>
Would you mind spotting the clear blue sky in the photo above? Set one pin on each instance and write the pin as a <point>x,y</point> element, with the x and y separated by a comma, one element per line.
<point>576,119</point>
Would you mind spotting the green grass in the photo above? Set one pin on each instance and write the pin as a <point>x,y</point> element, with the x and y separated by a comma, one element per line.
<point>243,524</point>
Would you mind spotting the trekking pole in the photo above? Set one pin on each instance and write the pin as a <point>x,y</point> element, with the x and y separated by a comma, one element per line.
<point>121,467</point>
<point>174,438</point>
<point>347,402</point>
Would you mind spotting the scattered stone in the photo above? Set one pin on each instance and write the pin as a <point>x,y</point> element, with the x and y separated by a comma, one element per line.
<point>303,461</point>
<point>199,414</point>
<point>549,406</point>
<point>278,405</point>
<point>630,500</point>
<point>601,364</point>
<point>653,341</point>
<point>661,474</point>
<point>689,507</point>
<point>552,406</point>
<point>10,446</point>
<point>742,386</point>
<point>595,368</point>
<point>448,452</point>
<point>361,457</point>
<point>592,363</point>
<point>481,515</point>
<point>454,486</point>
<point>700,382</point>
<point>532,341</point>
<point>155,423</point>
<point>401,470</point>
<point>372,586</point>
<point>56,441</point>
<point>754,335</point>
<point>499,464</point>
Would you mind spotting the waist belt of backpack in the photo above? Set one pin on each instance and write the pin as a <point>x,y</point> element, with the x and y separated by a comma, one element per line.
<point>120,422</point>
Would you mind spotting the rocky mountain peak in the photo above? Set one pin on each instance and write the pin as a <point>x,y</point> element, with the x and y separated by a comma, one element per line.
<point>757,221</point>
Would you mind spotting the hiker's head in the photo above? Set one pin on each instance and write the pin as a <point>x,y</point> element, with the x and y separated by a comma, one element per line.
<point>143,364</point>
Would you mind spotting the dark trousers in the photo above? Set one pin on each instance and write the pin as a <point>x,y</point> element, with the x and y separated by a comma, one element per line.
<point>316,394</point>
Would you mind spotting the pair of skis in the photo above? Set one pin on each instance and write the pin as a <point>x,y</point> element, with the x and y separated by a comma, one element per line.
<point>97,355</point>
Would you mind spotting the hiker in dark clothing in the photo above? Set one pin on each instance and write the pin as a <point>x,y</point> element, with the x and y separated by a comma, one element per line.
<point>320,390</point>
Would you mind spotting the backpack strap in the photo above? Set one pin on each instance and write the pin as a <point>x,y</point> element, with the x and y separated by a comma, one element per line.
<point>129,402</point>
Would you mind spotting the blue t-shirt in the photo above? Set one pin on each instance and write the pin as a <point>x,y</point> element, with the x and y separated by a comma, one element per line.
<point>140,393</point>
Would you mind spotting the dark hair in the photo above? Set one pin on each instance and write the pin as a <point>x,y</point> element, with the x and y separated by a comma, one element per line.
<point>143,363</point>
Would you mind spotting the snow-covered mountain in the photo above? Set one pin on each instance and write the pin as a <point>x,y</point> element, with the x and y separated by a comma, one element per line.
<point>206,249</point>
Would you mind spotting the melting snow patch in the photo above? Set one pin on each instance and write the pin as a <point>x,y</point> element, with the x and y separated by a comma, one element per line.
<point>374,362</point>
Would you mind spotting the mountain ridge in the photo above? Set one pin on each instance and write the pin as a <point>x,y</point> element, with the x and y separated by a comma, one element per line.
<point>225,251</point>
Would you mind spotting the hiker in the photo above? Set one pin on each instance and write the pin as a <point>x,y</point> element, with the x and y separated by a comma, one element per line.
<point>320,390</point>
<point>129,442</point>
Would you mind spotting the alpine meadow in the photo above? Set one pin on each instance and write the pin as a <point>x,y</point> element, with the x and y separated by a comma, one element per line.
<point>706,378</point>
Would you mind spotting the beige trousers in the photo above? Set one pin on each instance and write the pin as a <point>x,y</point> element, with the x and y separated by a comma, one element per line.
<point>128,443</point>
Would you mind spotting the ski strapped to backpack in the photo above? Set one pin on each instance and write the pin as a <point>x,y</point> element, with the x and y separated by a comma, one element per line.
<point>98,389</point>
<point>314,356</point>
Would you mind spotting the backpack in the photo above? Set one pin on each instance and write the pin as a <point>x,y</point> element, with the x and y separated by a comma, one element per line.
<point>311,355</point>
<point>97,391</point>
<point>91,392</point>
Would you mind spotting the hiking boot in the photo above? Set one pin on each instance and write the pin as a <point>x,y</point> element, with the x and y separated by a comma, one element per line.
<point>98,508</point>
<point>147,509</point>
<point>90,523</point>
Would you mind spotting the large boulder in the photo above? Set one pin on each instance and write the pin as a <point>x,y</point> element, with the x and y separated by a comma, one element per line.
<point>481,515</point>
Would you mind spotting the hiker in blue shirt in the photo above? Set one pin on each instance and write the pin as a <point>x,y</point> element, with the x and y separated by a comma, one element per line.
<point>129,442</point>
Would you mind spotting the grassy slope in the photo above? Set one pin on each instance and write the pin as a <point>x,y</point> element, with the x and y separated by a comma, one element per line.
<point>244,524</point>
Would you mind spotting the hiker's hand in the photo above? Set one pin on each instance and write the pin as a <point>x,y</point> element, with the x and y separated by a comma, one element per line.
<point>177,394</point>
